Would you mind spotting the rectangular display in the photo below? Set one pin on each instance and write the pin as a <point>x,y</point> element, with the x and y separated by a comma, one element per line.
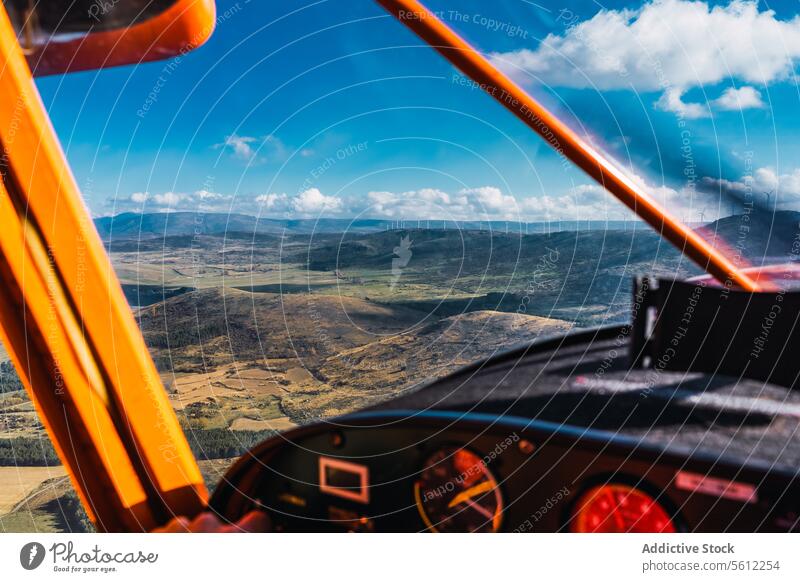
<point>344,479</point>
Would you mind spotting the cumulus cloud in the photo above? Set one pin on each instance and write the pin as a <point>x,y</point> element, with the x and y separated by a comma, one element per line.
<point>240,146</point>
<point>428,203</point>
<point>313,202</point>
<point>206,195</point>
<point>483,203</point>
<point>593,202</point>
<point>200,200</point>
<point>491,200</point>
<point>168,199</point>
<point>309,203</point>
<point>733,99</point>
<point>250,149</point>
<point>783,189</point>
<point>672,100</point>
<point>583,202</point>
<point>667,44</point>
<point>272,201</point>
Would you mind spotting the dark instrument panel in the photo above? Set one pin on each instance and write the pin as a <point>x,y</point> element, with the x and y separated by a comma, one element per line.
<point>559,436</point>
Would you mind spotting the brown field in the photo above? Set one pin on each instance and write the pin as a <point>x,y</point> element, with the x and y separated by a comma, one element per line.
<point>281,423</point>
<point>35,499</point>
<point>18,482</point>
<point>332,339</point>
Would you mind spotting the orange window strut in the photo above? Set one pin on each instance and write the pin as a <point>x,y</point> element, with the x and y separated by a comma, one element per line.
<point>71,334</point>
<point>469,61</point>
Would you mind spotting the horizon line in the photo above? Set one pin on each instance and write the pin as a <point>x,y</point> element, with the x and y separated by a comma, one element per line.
<point>401,221</point>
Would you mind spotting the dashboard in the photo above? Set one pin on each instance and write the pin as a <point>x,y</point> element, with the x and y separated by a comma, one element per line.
<point>536,440</point>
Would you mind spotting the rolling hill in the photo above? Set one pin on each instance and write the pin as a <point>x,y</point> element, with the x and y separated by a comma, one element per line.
<point>228,354</point>
<point>757,235</point>
<point>131,225</point>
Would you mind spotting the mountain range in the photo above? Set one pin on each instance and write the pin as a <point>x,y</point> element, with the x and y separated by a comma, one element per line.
<point>130,225</point>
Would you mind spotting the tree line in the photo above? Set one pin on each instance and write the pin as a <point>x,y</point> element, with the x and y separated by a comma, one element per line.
<point>217,443</point>
<point>9,381</point>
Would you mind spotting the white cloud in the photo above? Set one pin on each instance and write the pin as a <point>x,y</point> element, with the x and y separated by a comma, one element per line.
<point>491,199</point>
<point>429,203</point>
<point>672,100</point>
<point>310,202</point>
<point>200,200</point>
<point>733,99</point>
<point>381,200</point>
<point>583,202</point>
<point>250,149</point>
<point>314,202</point>
<point>169,199</point>
<point>483,203</point>
<point>206,195</point>
<point>272,201</point>
<point>240,145</point>
<point>593,202</point>
<point>666,44</point>
<point>783,189</point>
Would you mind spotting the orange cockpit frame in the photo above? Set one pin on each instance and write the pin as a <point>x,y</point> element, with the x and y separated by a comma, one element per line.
<point>63,316</point>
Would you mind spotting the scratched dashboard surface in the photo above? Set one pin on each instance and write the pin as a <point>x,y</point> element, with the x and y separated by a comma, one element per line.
<point>588,384</point>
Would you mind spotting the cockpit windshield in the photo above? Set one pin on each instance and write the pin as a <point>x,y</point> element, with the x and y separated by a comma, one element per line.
<point>688,97</point>
<point>316,212</point>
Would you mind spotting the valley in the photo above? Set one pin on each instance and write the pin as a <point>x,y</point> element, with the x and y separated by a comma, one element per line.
<point>259,330</point>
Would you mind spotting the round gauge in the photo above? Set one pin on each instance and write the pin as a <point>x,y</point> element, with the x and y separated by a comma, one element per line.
<point>456,492</point>
<point>616,508</point>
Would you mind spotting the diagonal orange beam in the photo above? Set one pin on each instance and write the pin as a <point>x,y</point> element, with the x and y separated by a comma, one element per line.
<point>469,61</point>
<point>71,333</point>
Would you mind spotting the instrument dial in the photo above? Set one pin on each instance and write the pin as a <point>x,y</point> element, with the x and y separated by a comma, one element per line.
<point>456,492</point>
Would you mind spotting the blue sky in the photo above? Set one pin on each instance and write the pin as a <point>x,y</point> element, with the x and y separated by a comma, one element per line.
<point>328,108</point>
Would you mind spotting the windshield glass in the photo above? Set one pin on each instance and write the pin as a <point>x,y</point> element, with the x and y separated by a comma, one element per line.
<point>315,212</point>
<point>687,97</point>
